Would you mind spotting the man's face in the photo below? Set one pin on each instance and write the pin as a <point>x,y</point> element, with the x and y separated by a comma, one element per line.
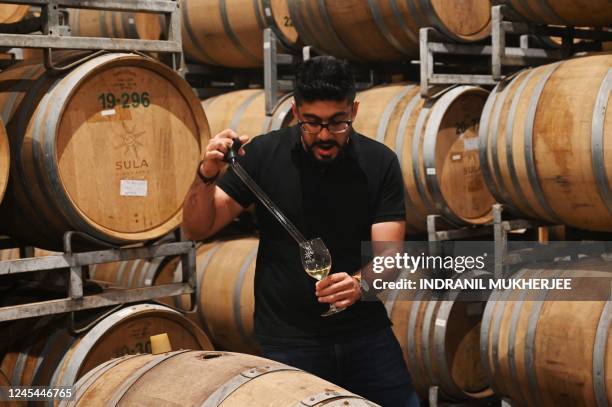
<point>325,143</point>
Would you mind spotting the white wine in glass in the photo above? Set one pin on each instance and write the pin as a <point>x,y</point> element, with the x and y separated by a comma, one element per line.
<point>317,263</point>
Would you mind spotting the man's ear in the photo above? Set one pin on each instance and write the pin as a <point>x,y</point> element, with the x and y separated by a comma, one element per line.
<point>355,109</point>
<point>294,110</point>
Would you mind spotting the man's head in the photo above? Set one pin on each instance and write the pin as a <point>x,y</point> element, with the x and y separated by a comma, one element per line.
<point>325,105</point>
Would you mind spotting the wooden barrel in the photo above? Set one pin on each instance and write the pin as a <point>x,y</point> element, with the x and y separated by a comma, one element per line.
<point>385,30</point>
<point>224,288</point>
<point>223,32</point>
<point>225,293</point>
<point>440,339</point>
<point>114,24</point>
<point>592,13</point>
<point>244,111</point>
<point>437,146</point>
<point>54,357</point>
<point>278,19</point>
<point>135,273</point>
<point>5,160</point>
<point>9,254</point>
<point>11,13</point>
<point>538,352</point>
<point>547,159</point>
<point>5,382</point>
<point>108,149</point>
<point>206,379</point>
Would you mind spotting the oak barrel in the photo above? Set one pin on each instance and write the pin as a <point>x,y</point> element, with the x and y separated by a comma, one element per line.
<point>384,30</point>
<point>108,149</point>
<point>592,13</point>
<point>206,379</point>
<point>11,13</point>
<point>5,160</point>
<point>224,288</point>
<point>223,32</point>
<point>540,348</point>
<point>136,273</point>
<point>52,356</point>
<point>115,24</point>
<point>279,20</point>
<point>440,340</point>
<point>225,293</point>
<point>546,143</point>
<point>5,382</point>
<point>437,146</point>
<point>244,111</point>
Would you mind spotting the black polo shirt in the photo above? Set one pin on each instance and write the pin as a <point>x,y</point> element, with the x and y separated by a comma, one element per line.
<point>338,202</point>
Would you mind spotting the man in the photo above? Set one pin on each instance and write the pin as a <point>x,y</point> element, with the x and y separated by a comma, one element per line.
<point>331,183</point>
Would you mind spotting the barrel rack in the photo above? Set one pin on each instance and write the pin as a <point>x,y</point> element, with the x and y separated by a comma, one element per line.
<point>530,46</point>
<point>70,267</point>
<point>55,31</point>
<point>280,61</point>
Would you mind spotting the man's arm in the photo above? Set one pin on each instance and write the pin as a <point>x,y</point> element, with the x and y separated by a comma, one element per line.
<point>207,208</point>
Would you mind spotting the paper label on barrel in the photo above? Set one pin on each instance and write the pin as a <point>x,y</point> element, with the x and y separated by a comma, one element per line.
<point>133,187</point>
<point>470,143</point>
<point>441,323</point>
<point>431,171</point>
<point>456,157</point>
<point>108,112</point>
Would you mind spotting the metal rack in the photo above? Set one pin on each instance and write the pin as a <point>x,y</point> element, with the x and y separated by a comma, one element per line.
<point>273,62</point>
<point>56,33</point>
<point>504,223</point>
<point>513,45</point>
<point>70,268</point>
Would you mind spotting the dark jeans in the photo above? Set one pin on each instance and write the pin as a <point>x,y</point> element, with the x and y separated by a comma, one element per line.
<point>371,366</point>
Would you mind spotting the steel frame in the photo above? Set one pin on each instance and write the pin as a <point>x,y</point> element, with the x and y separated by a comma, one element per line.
<point>433,44</point>
<point>56,35</point>
<point>272,60</point>
<point>77,263</point>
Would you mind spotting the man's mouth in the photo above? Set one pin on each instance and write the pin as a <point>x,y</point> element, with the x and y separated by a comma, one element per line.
<point>325,147</point>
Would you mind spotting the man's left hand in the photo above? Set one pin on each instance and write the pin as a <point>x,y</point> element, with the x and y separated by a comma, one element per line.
<point>340,289</point>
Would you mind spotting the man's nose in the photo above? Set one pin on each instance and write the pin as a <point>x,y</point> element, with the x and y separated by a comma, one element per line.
<point>324,134</point>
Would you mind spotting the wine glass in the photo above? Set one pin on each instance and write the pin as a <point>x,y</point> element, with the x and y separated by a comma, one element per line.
<point>317,263</point>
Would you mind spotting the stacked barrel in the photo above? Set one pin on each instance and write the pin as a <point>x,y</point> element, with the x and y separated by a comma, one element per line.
<point>108,149</point>
<point>545,142</point>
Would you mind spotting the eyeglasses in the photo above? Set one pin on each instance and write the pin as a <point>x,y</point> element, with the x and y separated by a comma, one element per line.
<point>335,127</point>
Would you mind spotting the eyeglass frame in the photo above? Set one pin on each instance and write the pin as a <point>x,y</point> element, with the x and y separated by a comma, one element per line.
<point>348,123</point>
<point>326,126</point>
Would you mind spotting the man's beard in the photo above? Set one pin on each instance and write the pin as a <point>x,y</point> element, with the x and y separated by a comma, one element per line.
<point>324,161</point>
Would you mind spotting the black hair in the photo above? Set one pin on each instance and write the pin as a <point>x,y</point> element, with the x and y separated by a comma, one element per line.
<point>324,78</point>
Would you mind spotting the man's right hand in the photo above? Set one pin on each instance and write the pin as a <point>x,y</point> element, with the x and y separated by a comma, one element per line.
<point>216,149</point>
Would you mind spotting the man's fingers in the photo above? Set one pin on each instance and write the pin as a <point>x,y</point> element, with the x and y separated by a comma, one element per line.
<point>214,155</point>
<point>227,133</point>
<point>339,296</point>
<point>333,284</point>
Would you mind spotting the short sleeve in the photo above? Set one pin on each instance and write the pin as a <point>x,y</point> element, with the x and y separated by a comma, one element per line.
<point>390,206</point>
<point>233,186</point>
